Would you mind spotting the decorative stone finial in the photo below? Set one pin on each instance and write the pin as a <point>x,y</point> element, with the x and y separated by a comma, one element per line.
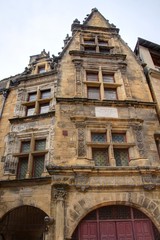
<point>76,21</point>
<point>94,10</point>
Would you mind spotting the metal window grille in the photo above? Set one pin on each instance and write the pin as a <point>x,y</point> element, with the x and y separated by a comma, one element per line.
<point>22,168</point>
<point>100,156</point>
<point>25,147</point>
<point>40,144</point>
<point>115,212</point>
<point>121,157</point>
<point>98,137</point>
<point>38,166</point>
<point>118,138</point>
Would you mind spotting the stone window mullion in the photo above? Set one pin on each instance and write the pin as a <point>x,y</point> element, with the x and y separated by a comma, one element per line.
<point>111,150</point>
<point>30,157</point>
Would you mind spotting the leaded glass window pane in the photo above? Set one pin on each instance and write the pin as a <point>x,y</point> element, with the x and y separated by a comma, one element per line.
<point>38,166</point>
<point>25,147</point>
<point>22,168</point>
<point>45,94</point>
<point>104,50</point>
<point>44,108</point>
<point>92,77</point>
<point>93,93</point>
<point>110,94</point>
<point>121,157</point>
<point>40,145</point>
<point>100,156</point>
<point>98,137</point>
<point>108,78</point>
<point>118,137</point>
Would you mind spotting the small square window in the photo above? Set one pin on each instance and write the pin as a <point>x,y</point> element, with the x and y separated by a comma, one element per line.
<point>108,78</point>
<point>104,50</point>
<point>41,69</point>
<point>92,77</point>
<point>100,156</point>
<point>25,147</point>
<point>32,96</point>
<point>90,49</point>
<point>93,93</point>
<point>121,157</point>
<point>30,111</point>
<point>102,42</point>
<point>98,137</point>
<point>40,145</point>
<point>118,137</point>
<point>45,94</point>
<point>110,94</point>
<point>44,108</point>
<point>89,41</point>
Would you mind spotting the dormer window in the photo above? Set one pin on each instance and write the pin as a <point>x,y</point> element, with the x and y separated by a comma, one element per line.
<point>41,69</point>
<point>95,44</point>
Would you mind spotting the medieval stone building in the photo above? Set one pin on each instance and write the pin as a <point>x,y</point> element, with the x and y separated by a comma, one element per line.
<point>79,145</point>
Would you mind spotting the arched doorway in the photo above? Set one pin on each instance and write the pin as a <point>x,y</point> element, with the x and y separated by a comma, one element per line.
<point>25,222</point>
<point>116,223</point>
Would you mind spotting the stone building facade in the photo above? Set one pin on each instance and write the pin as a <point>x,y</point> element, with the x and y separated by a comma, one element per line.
<point>79,157</point>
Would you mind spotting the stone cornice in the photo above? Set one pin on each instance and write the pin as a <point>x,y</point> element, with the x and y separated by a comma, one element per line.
<point>78,27</point>
<point>112,103</point>
<point>34,76</point>
<point>25,182</point>
<point>97,55</point>
<point>31,118</point>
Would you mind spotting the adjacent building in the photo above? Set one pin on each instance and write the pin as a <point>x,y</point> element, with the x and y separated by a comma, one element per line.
<point>78,142</point>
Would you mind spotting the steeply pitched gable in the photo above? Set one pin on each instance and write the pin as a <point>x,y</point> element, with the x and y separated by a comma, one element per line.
<point>96,19</point>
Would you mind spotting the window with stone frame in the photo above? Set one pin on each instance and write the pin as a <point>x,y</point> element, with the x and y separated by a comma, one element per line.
<point>31,158</point>
<point>38,102</point>
<point>104,144</point>
<point>95,44</point>
<point>41,69</point>
<point>121,153</point>
<point>101,85</point>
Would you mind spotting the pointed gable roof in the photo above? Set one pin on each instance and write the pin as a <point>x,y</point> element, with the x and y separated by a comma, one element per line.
<point>96,19</point>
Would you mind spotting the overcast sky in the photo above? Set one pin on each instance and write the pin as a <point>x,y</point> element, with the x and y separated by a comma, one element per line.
<point>29,26</point>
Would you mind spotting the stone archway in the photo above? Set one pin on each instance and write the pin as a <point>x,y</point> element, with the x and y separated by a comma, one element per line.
<point>116,222</point>
<point>25,222</point>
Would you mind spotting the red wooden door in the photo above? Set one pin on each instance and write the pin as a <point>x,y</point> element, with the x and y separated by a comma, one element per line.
<point>88,231</point>
<point>124,231</point>
<point>143,230</point>
<point>107,231</point>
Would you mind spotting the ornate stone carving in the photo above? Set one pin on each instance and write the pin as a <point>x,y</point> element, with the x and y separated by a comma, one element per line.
<point>78,66</point>
<point>60,191</point>
<point>82,181</point>
<point>139,140</point>
<point>81,142</point>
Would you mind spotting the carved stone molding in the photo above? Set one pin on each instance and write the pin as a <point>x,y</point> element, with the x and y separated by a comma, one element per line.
<point>78,66</point>
<point>60,191</point>
<point>82,181</point>
<point>139,140</point>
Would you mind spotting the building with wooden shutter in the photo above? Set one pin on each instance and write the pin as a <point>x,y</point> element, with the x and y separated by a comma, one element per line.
<point>79,157</point>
